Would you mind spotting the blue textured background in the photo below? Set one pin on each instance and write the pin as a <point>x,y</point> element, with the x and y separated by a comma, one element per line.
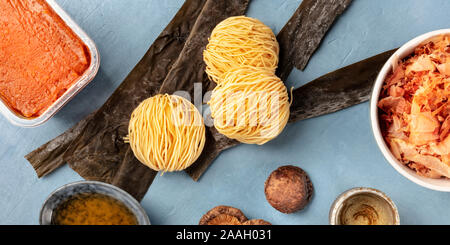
<point>337,150</point>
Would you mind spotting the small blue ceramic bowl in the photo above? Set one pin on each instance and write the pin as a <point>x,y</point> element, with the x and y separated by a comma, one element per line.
<point>66,191</point>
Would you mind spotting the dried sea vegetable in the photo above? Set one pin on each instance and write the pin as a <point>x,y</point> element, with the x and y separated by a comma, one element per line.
<point>332,92</point>
<point>215,144</point>
<point>105,139</point>
<point>304,31</point>
<point>49,156</point>
<point>99,152</point>
<point>190,69</point>
<point>94,147</point>
<point>337,90</point>
<point>298,40</point>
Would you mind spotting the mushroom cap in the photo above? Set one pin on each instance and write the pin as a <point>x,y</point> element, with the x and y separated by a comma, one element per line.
<point>288,189</point>
<point>211,215</point>
<point>256,222</point>
<point>224,219</point>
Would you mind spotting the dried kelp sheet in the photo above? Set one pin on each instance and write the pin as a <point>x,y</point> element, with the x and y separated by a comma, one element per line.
<point>53,154</point>
<point>192,55</point>
<point>304,31</point>
<point>99,152</point>
<point>298,40</point>
<point>49,156</point>
<point>94,147</point>
<point>190,69</point>
<point>332,92</point>
<point>337,90</point>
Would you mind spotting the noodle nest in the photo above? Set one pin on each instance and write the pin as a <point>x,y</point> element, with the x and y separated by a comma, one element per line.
<point>240,41</point>
<point>166,133</point>
<point>250,105</point>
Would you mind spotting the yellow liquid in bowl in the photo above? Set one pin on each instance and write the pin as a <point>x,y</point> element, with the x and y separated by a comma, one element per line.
<point>93,209</point>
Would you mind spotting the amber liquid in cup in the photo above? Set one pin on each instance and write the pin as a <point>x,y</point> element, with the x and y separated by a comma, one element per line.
<point>366,209</point>
<point>93,209</point>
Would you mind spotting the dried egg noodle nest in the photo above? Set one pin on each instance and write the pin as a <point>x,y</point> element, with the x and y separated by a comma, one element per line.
<point>240,41</point>
<point>250,105</point>
<point>166,133</point>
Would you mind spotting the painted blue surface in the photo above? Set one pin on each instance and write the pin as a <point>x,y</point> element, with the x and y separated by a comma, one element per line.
<point>337,150</point>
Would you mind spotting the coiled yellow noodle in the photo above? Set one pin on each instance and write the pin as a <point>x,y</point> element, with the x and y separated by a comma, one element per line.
<point>166,133</point>
<point>240,41</point>
<point>250,105</point>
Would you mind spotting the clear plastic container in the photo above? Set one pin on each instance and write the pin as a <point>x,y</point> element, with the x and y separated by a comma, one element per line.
<point>84,80</point>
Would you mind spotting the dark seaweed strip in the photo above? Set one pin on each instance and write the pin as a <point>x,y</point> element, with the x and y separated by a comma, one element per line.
<point>298,40</point>
<point>85,157</point>
<point>337,90</point>
<point>190,69</point>
<point>96,151</point>
<point>304,31</point>
<point>99,151</point>
<point>215,144</point>
<point>334,91</point>
<point>49,156</point>
<point>222,143</point>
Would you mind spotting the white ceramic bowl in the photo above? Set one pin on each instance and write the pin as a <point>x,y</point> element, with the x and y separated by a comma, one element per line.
<point>402,52</point>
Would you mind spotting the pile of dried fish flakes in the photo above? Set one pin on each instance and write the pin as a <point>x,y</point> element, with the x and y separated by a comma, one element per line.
<point>415,109</point>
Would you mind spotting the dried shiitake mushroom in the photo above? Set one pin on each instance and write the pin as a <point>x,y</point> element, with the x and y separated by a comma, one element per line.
<point>222,213</point>
<point>288,189</point>
<point>224,219</point>
<point>256,222</point>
